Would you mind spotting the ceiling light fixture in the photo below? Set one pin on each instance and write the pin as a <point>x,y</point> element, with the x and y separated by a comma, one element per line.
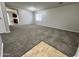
<point>32,9</point>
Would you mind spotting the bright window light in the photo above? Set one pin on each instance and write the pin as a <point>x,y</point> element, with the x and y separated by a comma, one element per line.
<point>32,9</point>
<point>38,17</point>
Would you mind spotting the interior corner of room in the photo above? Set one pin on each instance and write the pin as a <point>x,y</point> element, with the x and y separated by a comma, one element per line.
<point>23,25</point>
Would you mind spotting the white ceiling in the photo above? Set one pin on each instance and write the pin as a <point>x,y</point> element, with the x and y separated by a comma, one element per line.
<point>38,5</point>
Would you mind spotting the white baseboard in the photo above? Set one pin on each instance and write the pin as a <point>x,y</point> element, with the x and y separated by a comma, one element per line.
<point>60,28</point>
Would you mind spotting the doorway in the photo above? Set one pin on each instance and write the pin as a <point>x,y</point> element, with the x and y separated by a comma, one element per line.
<point>12,16</point>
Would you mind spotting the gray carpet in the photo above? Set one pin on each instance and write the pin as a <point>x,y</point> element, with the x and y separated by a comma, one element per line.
<point>23,37</point>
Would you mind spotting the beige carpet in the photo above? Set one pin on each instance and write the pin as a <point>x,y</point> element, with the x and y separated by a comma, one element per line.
<point>43,50</point>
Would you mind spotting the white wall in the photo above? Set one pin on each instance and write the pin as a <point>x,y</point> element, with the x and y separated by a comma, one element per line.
<point>10,18</point>
<point>4,27</point>
<point>65,17</point>
<point>25,17</point>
